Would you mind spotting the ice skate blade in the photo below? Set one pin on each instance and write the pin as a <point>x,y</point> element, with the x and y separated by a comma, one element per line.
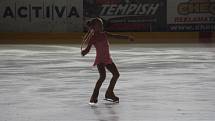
<point>92,104</point>
<point>110,100</point>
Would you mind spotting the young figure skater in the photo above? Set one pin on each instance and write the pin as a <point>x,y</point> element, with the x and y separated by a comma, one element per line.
<point>97,37</point>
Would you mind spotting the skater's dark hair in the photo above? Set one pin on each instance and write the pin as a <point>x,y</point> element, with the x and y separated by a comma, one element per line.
<point>93,21</point>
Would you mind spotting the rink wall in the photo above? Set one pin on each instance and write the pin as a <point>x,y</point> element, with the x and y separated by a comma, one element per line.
<point>63,21</point>
<point>118,15</point>
<point>76,38</point>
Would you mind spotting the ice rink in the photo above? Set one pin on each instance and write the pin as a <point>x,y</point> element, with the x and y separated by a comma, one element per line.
<point>157,83</point>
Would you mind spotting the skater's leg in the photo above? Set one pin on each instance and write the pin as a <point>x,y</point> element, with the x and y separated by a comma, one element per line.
<point>102,76</point>
<point>113,69</point>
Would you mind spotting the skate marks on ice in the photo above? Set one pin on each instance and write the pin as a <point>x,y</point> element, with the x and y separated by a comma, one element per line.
<point>157,82</point>
<point>106,111</point>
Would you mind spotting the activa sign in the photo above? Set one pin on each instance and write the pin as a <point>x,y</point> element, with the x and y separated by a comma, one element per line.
<point>39,11</point>
<point>41,15</point>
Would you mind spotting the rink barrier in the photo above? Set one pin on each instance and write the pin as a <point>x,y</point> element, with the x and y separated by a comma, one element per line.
<point>76,37</point>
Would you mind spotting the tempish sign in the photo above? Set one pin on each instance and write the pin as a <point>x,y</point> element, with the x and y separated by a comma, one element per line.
<point>129,9</point>
<point>191,15</point>
<point>128,15</point>
<point>41,15</point>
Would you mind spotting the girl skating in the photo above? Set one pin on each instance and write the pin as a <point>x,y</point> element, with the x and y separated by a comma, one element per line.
<point>98,38</point>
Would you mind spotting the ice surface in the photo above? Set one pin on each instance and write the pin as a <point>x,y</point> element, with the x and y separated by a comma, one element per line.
<point>157,83</point>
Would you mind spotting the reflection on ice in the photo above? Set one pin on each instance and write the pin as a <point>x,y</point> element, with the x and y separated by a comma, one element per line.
<point>157,83</point>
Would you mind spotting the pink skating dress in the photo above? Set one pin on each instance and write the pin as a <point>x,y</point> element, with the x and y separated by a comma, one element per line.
<point>101,44</point>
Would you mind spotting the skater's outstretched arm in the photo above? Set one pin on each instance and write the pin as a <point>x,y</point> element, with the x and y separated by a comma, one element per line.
<point>118,36</point>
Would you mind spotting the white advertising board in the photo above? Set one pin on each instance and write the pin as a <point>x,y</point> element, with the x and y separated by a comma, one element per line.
<point>41,15</point>
<point>191,15</point>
